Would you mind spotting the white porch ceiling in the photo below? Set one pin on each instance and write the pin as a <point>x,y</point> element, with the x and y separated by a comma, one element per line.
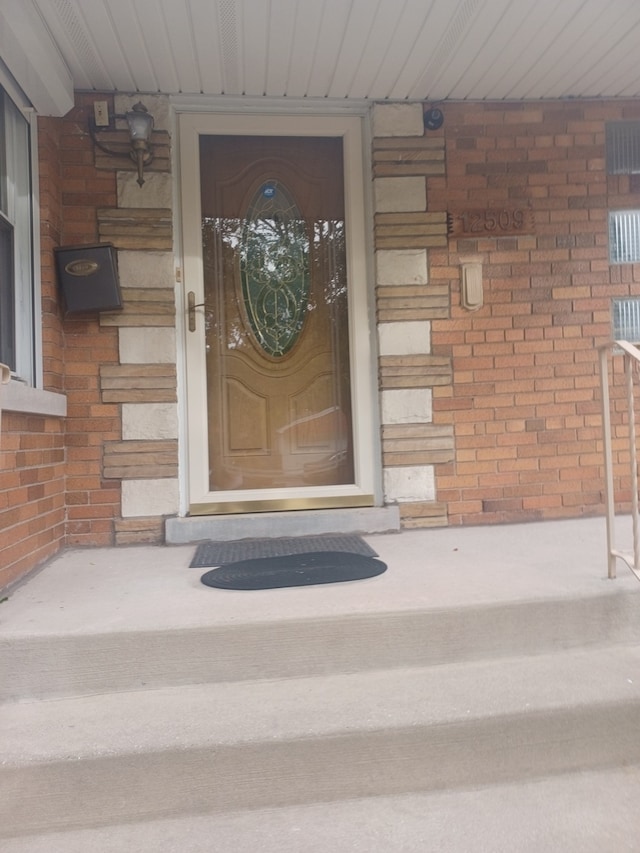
<point>378,49</point>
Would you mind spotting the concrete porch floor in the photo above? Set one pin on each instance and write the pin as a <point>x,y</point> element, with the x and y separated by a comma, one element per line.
<point>152,587</point>
<point>138,609</point>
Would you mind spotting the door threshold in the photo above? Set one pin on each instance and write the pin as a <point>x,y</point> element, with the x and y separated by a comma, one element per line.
<point>271,525</point>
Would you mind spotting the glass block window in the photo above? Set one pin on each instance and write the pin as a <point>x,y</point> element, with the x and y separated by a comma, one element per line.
<point>624,236</point>
<point>623,147</point>
<point>625,320</point>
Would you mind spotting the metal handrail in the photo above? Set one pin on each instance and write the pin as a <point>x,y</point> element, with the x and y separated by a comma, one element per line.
<point>631,355</point>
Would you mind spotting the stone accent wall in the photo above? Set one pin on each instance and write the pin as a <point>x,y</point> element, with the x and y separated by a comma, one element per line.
<point>144,459</point>
<point>407,304</point>
<point>119,376</point>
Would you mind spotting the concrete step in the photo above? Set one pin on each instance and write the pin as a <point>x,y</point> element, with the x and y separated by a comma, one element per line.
<point>203,749</point>
<point>589,812</point>
<point>44,666</point>
<point>480,658</point>
<point>137,618</point>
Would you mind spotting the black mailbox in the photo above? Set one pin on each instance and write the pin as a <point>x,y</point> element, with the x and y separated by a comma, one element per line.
<point>88,277</point>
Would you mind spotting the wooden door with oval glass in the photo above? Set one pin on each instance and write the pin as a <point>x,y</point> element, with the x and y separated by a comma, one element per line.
<point>276,314</point>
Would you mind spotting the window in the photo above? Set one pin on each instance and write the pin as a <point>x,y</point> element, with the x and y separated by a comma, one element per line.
<point>625,315</point>
<point>623,158</point>
<point>623,147</point>
<point>16,241</point>
<point>624,236</point>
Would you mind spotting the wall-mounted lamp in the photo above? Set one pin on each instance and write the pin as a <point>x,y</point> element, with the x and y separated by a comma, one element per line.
<point>139,124</point>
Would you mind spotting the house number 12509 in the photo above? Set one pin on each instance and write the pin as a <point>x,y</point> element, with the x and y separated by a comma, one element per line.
<point>491,222</point>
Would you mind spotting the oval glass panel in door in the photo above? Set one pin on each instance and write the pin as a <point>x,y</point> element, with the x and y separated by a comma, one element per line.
<point>274,268</point>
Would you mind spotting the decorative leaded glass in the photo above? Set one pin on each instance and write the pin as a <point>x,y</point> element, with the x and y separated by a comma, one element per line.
<point>274,268</point>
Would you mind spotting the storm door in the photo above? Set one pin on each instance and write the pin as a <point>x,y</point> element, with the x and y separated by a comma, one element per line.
<point>272,320</point>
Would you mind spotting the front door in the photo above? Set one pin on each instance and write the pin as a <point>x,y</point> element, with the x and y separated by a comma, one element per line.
<point>271,315</point>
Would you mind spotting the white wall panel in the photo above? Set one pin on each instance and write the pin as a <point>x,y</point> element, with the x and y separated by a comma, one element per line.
<point>281,32</point>
<point>185,59</point>
<point>377,49</point>
<point>99,25</point>
<point>329,46</point>
<point>206,28</point>
<point>253,29</point>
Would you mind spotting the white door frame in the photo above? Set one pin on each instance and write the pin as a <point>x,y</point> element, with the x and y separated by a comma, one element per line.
<point>366,489</point>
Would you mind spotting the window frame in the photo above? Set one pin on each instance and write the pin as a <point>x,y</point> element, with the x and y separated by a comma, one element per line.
<point>622,155</point>
<point>27,330</point>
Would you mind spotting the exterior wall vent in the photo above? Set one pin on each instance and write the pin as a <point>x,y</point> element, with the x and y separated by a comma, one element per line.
<point>625,317</point>
<point>624,236</point>
<point>623,147</point>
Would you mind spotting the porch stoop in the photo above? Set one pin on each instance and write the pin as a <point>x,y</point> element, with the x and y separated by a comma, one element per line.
<point>271,525</point>
<point>481,695</point>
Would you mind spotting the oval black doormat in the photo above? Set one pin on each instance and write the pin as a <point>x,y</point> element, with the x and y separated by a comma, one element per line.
<point>294,570</point>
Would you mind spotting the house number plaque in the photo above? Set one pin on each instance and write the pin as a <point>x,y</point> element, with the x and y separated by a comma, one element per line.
<point>492,222</point>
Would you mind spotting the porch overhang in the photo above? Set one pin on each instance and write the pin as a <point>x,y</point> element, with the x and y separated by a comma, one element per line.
<point>317,49</point>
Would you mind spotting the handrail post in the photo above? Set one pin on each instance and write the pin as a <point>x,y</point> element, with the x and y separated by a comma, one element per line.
<point>608,461</point>
<point>628,369</point>
<point>631,355</point>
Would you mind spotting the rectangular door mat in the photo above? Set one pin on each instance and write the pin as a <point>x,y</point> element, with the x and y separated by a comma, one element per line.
<point>221,553</point>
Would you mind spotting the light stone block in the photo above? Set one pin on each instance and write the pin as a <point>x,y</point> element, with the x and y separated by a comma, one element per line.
<point>410,484</point>
<point>395,195</point>
<point>401,266</point>
<point>146,269</point>
<point>151,345</point>
<point>398,120</point>
<point>156,192</point>
<point>407,406</point>
<point>149,497</point>
<point>412,337</point>
<point>149,421</point>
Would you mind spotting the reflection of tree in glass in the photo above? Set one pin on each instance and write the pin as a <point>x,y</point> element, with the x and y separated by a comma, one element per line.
<point>276,253</point>
<point>329,250</point>
<point>274,268</point>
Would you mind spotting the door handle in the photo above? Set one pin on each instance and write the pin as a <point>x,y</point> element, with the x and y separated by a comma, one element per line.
<point>191,310</point>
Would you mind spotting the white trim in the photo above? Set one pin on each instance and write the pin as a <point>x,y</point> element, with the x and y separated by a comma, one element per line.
<point>364,409</point>
<point>368,213</point>
<point>24,212</point>
<point>38,377</point>
<point>33,58</point>
<point>13,90</point>
<point>181,361</point>
<point>236,106</point>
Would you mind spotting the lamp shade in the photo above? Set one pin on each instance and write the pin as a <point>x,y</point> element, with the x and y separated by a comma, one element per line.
<point>140,123</point>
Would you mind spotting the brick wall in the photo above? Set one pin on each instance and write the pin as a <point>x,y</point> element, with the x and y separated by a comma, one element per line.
<point>61,479</point>
<point>32,455</point>
<point>488,416</point>
<point>524,400</point>
<point>92,502</point>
